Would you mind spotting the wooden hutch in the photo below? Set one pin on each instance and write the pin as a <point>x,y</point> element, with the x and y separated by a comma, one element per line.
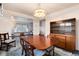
<point>63,34</point>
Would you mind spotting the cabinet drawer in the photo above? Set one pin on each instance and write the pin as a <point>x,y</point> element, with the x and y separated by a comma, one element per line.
<point>60,43</point>
<point>60,38</point>
<point>70,45</point>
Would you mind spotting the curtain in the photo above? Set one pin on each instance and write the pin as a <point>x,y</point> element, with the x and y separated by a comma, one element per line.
<point>23,27</point>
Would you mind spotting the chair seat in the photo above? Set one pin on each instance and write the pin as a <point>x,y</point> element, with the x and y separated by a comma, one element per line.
<point>10,40</point>
<point>39,52</point>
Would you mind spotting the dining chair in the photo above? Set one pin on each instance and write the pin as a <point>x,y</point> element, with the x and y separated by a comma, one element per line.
<point>50,51</point>
<point>22,34</point>
<point>22,45</point>
<point>6,40</point>
<point>31,51</point>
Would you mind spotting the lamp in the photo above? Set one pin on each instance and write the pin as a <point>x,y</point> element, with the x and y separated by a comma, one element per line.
<point>39,12</point>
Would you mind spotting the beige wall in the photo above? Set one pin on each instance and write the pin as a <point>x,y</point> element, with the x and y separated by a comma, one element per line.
<point>62,15</point>
<point>6,24</point>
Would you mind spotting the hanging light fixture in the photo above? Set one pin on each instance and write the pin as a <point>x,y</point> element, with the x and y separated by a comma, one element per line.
<point>39,12</point>
<point>3,12</point>
<point>4,15</point>
<point>1,9</point>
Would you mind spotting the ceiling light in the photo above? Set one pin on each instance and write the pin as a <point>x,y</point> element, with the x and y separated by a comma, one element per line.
<point>39,12</point>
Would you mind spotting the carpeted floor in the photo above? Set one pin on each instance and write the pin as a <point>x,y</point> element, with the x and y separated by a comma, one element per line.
<point>16,52</point>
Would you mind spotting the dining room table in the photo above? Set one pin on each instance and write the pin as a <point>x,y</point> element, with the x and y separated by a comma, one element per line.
<point>38,41</point>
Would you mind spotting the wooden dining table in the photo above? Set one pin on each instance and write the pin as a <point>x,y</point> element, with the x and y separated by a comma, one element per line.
<point>38,42</point>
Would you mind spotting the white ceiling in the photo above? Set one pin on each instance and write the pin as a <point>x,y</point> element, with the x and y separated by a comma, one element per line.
<point>29,8</point>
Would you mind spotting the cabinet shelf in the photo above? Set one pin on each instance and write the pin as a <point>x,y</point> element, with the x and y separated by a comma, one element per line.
<point>68,27</point>
<point>67,31</point>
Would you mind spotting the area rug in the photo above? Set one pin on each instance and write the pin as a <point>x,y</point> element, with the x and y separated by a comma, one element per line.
<point>16,52</point>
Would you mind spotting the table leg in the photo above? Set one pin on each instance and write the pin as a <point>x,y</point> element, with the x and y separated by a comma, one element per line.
<point>53,50</point>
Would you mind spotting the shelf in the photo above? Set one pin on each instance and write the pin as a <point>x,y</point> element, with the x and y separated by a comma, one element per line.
<point>55,26</point>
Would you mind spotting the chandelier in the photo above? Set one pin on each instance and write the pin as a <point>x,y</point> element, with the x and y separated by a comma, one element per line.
<point>39,12</point>
<point>5,15</point>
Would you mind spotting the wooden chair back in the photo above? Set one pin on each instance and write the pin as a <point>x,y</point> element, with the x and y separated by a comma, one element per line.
<point>22,43</point>
<point>22,34</point>
<point>4,36</point>
<point>29,49</point>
